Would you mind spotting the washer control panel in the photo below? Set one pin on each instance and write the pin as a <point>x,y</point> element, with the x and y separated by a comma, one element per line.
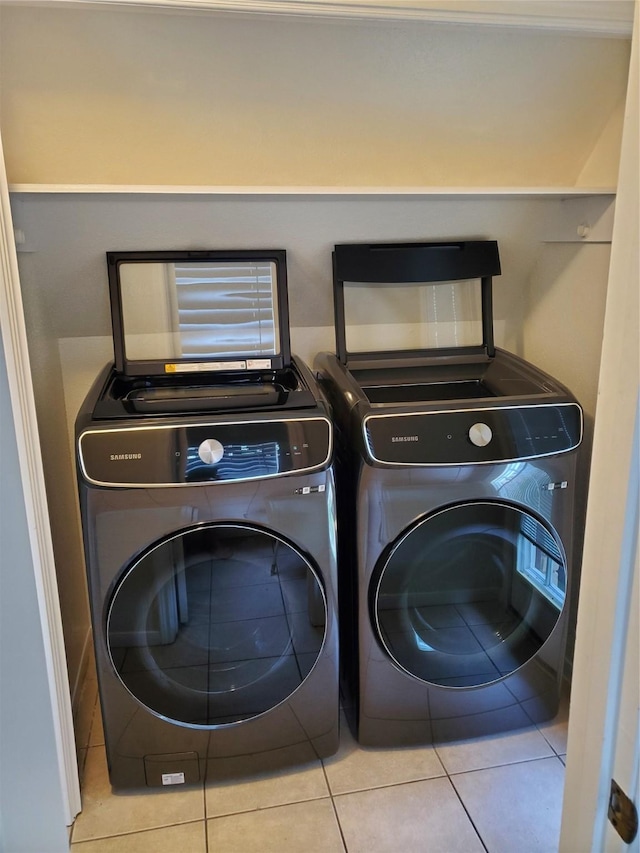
<point>204,453</point>
<point>467,436</point>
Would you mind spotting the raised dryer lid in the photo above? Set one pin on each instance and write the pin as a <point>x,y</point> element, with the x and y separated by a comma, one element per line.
<point>402,301</point>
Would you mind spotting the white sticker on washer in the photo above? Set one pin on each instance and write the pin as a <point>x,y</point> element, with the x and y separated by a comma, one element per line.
<point>173,778</point>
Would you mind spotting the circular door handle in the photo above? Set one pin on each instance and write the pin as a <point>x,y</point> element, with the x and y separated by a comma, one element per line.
<point>480,434</point>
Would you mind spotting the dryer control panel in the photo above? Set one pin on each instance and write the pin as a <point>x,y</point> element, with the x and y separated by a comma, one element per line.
<point>187,454</point>
<point>472,436</point>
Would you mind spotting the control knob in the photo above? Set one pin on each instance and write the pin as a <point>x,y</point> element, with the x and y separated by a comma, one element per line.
<point>480,434</point>
<point>211,451</point>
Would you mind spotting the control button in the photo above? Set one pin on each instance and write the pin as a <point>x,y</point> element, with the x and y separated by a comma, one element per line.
<point>210,451</point>
<point>480,435</point>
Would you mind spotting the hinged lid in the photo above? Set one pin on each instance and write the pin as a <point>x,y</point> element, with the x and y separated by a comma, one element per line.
<point>404,301</point>
<point>195,312</point>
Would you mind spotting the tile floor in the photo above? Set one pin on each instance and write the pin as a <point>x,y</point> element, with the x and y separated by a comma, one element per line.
<point>501,794</point>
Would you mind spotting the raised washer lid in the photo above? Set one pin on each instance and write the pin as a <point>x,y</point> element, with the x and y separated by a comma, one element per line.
<point>199,312</point>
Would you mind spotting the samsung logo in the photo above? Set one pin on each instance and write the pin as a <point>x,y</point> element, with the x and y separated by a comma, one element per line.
<point>118,457</point>
<point>395,438</point>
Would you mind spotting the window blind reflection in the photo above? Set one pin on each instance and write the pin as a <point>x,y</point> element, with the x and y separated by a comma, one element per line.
<point>199,309</point>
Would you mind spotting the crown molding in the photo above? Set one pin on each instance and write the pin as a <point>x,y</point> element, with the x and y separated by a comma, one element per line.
<point>609,18</point>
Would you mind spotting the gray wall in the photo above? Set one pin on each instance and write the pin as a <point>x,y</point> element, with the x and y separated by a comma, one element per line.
<point>32,816</point>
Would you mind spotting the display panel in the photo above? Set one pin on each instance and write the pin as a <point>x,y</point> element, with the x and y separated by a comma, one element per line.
<point>155,456</point>
<point>511,433</point>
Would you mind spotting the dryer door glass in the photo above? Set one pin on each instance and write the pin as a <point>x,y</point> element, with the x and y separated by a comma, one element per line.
<point>468,595</point>
<point>217,624</point>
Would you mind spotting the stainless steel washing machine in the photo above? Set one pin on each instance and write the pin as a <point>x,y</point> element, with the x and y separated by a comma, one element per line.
<point>456,504</point>
<point>208,515</point>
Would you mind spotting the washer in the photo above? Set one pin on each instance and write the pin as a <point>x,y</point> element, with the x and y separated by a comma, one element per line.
<point>209,528</point>
<point>456,510</point>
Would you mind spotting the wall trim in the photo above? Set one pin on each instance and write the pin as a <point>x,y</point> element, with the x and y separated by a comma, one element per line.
<point>14,339</point>
<point>431,192</point>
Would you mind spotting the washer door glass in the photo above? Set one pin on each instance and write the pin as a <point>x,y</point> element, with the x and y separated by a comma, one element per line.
<point>469,594</point>
<point>217,624</point>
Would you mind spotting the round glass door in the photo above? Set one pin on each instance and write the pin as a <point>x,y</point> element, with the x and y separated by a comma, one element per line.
<point>217,624</point>
<point>469,594</point>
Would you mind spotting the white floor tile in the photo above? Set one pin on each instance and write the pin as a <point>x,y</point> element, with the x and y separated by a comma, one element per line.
<point>298,828</point>
<point>105,813</point>
<point>492,751</point>
<point>517,806</point>
<point>357,768</point>
<point>266,790</point>
<point>185,838</point>
<point>414,818</point>
<point>385,799</point>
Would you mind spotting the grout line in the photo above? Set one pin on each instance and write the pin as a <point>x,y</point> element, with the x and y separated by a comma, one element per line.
<point>204,811</point>
<point>547,724</point>
<point>206,830</point>
<point>443,775</point>
<point>550,744</point>
<point>466,811</point>
<point>333,806</point>
<point>342,838</point>
<point>135,832</point>
<point>471,820</point>
<point>268,808</point>
<point>505,764</point>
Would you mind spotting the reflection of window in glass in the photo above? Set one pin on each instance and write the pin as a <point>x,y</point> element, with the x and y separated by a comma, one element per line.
<point>540,562</point>
<point>226,309</point>
<point>412,316</point>
<point>199,309</point>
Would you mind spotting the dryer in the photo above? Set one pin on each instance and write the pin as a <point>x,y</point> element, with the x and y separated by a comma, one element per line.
<point>208,516</point>
<point>456,505</point>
